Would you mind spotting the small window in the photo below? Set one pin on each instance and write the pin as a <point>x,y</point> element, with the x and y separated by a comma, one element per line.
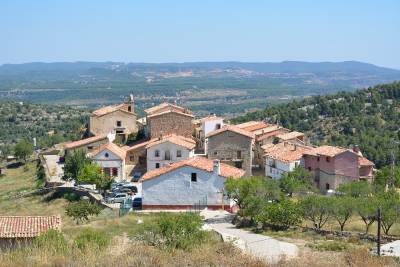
<point>239,154</point>
<point>119,123</point>
<point>179,153</point>
<point>114,171</point>
<point>157,153</point>
<point>328,159</point>
<point>238,164</point>
<point>90,147</point>
<point>318,159</point>
<point>129,108</point>
<point>215,152</point>
<point>193,177</point>
<point>309,168</point>
<point>106,155</point>
<point>218,126</point>
<point>131,157</point>
<point>327,186</point>
<point>167,155</point>
<point>157,165</point>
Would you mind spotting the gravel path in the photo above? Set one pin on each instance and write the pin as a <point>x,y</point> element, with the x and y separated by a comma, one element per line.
<point>265,247</point>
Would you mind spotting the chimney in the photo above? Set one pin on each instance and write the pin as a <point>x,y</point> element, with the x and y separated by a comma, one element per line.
<point>217,166</point>
<point>356,149</point>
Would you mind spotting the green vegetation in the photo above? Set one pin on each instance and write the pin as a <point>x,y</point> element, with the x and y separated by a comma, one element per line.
<point>74,165</point>
<point>90,238</point>
<point>81,210</point>
<point>23,149</point>
<point>368,118</point>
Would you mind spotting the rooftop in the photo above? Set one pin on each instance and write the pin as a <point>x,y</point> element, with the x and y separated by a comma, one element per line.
<point>290,135</point>
<point>273,132</point>
<point>329,151</point>
<point>118,151</point>
<point>285,152</point>
<point>231,128</point>
<point>365,162</point>
<point>200,163</point>
<point>27,226</point>
<point>85,141</point>
<point>253,126</point>
<point>161,106</point>
<point>170,111</point>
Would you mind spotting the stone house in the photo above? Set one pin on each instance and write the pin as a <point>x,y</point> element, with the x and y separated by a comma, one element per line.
<point>169,122</point>
<point>111,158</point>
<point>16,231</point>
<point>169,149</point>
<point>204,127</point>
<point>283,157</point>
<point>333,166</point>
<point>293,137</point>
<point>87,145</point>
<point>186,183</point>
<point>233,146</point>
<point>119,119</point>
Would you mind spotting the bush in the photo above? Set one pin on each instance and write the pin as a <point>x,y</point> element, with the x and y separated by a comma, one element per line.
<point>53,241</point>
<point>174,231</point>
<point>281,216</point>
<point>71,196</point>
<point>317,209</point>
<point>330,246</point>
<point>92,239</point>
<point>81,210</point>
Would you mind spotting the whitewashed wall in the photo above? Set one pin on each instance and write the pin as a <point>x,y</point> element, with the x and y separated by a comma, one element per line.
<point>152,160</point>
<point>113,161</point>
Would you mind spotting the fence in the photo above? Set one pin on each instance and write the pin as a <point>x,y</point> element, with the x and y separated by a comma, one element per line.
<point>125,207</point>
<point>199,205</point>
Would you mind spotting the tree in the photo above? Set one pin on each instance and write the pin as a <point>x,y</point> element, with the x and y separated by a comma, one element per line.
<point>296,181</point>
<point>281,215</point>
<point>383,177</point>
<point>356,189</point>
<point>81,210</point>
<point>342,210</point>
<point>74,164</point>
<point>317,209</point>
<point>92,173</point>
<point>366,208</point>
<point>389,203</point>
<point>23,149</point>
<point>5,150</point>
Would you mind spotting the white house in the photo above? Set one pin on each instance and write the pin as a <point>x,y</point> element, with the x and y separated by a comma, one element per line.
<point>283,158</point>
<point>183,184</point>
<point>207,125</point>
<point>169,149</point>
<point>111,158</point>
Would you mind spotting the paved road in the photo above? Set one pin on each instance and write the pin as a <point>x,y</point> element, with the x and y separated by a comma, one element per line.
<point>265,247</point>
<point>54,168</point>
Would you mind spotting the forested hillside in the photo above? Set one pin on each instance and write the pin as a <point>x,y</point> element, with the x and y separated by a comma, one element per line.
<point>369,118</point>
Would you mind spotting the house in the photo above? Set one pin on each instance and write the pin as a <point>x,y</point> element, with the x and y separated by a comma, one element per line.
<point>137,154</point>
<point>231,145</point>
<point>366,169</point>
<point>87,145</point>
<point>204,127</point>
<point>120,119</point>
<point>169,149</point>
<point>21,230</point>
<point>282,158</point>
<point>111,158</point>
<point>164,107</point>
<point>169,120</point>
<point>186,183</point>
<point>333,166</point>
<point>293,137</point>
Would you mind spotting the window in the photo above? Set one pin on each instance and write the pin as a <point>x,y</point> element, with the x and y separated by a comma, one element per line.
<point>106,155</point>
<point>90,147</point>
<point>157,165</point>
<point>318,159</point>
<point>215,152</point>
<point>129,108</point>
<point>179,153</point>
<point>131,157</point>
<point>193,177</point>
<point>296,164</point>
<point>327,186</point>
<point>238,164</point>
<point>218,126</point>
<point>328,159</point>
<point>114,171</point>
<point>106,171</point>
<point>239,154</point>
<point>157,153</point>
<point>167,155</point>
<point>119,123</point>
<point>309,168</point>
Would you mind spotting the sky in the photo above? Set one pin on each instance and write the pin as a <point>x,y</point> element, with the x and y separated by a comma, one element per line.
<point>206,30</point>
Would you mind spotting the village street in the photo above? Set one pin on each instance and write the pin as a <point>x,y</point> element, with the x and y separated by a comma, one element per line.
<point>265,247</point>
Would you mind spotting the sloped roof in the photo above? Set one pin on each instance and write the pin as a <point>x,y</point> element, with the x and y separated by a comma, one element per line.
<point>27,226</point>
<point>285,152</point>
<point>170,111</point>
<point>200,163</point>
<point>290,135</point>
<point>86,141</point>
<point>210,118</point>
<point>253,126</point>
<point>365,162</point>
<point>139,145</point>
<point>329,151</point>
<point>109,109</point>
<point>118,151</point>
<point>273,132</point>
<point>161,106</point>
<point>174,139</point>
<point>231,128</point>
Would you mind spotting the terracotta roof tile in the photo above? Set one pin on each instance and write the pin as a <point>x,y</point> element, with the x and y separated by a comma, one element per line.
<point>231,128</point>
<point>365,162</point>
<point>27,226</point>
<point>175,139</point>
<point>272,133</point>
<point>198,163</point>
<point>85,141</point>
<point>170,111</point>
<point>285,152</point>
<point>108,109</point>
<point>164,105</point>
<point>330,151</point>
<point>119,151</point>
<point>210,118</point>
<point>290,135</point>
<point>254,127</point>
<point>139,145</point>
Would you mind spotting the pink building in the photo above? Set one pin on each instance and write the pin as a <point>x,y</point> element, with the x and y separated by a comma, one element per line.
<point>333,166</point>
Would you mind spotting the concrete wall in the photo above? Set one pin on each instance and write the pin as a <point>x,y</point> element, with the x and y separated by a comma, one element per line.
<point>280,167</point>
<point>224,146</point>
<point>170,123</point>
<point>112,161</point>
<point>176,189</point>
<point>108,123</point>
<point>162,148</point>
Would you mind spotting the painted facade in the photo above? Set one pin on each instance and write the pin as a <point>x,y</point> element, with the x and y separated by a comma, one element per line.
<point>112,164</point>
<point>166,153</point>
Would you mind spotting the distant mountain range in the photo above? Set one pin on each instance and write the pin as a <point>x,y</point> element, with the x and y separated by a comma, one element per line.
<point>227,88</point>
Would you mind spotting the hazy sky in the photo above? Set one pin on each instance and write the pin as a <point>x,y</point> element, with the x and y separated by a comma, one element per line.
<point>188,30</point>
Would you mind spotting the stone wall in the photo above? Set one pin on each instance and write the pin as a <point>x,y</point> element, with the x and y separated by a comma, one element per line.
<point>108,123</point>
<point>170,123</point>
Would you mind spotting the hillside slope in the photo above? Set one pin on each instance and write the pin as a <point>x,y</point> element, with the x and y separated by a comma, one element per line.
<point>369,118</point>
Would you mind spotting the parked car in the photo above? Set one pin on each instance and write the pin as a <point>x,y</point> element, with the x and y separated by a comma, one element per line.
<point>137,202</point>
<point>136,177</point>
<point>117,198</point>
<point>131,187</point>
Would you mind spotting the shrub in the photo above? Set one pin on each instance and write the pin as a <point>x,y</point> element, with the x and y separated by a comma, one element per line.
<point>174,231</point>
<point>71,196</point>
<point>92,239</point>
<point>317,209</point>
<point>330,246</point>
<point>281,216</point>
<point>81,210</point>
<point>53,241</point>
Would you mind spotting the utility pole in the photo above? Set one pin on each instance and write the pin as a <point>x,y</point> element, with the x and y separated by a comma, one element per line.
<point>378,245</point>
